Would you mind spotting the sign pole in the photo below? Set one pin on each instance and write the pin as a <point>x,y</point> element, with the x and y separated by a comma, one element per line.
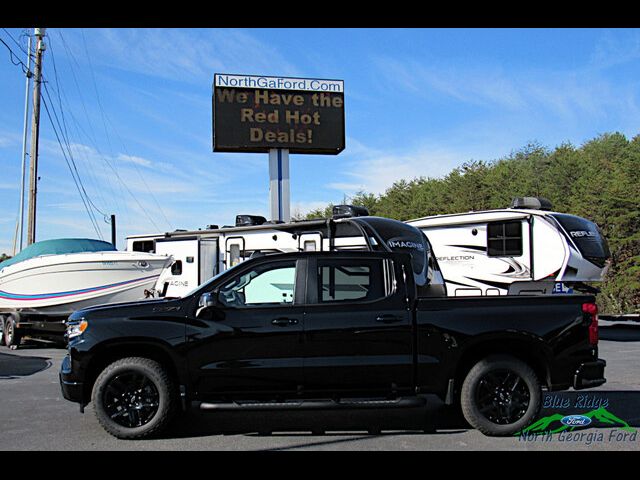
<point>279,197</point>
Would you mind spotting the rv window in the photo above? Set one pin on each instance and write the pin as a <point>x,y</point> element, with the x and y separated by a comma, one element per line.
<point>176,268</point>
<point>234,255</point>
<point>143,246</point>
<point>504,239</point>
<point>349,280</point>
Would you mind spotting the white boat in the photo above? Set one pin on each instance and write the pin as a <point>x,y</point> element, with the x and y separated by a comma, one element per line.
<point>56,277</point>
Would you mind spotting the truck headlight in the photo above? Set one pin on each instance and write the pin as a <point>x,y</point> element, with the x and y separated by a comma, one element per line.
<point>77,328</point>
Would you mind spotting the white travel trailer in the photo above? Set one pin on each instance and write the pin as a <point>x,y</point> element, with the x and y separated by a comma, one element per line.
<point>524,249</point>
<point>201,254</point>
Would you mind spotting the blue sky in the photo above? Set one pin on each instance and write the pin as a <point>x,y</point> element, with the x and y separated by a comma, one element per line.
<point>417,101</point>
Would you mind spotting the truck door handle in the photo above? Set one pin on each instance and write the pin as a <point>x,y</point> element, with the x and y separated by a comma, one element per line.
<point>388,319</point>
<point>283,322</point>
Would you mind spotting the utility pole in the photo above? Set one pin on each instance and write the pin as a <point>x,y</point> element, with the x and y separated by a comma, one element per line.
<point>20,227</point>
<point>35,133</point>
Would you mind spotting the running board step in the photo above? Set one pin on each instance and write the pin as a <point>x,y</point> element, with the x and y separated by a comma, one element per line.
<point>316,404</point>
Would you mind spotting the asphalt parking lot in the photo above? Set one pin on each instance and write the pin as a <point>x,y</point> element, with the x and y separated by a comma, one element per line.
<point>34,416</point>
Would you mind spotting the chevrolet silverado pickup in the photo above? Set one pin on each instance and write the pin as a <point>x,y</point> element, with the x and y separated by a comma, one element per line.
<point>343,329</point>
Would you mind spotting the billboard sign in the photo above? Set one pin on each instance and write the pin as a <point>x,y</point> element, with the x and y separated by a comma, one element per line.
<point>258,113</point>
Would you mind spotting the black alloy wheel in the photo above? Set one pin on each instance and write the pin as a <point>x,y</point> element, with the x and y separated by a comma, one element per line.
<point>131,399</point>
<point>500,395</point>
<point>134,398</point>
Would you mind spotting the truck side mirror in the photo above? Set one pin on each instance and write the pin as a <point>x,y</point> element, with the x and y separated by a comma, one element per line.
<point>208,300</point>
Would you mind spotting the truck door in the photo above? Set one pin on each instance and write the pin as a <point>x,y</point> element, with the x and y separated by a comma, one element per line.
<point>250,344</point>
<point>357,327</point>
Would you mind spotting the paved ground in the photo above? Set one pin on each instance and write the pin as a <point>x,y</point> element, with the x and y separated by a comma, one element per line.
<point>34,416</point>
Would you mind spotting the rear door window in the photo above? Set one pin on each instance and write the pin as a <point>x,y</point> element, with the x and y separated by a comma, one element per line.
<point>354,280</point>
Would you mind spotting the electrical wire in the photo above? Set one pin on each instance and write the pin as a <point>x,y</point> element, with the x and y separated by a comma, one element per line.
<point>104,124</point>
<point>90,136</point>
<point>65,133</point>
<point>93,221</point>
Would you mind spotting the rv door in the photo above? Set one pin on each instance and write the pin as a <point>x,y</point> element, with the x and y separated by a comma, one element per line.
<point>209,266</point>
<point>182,276</point>
<point>234,251</point>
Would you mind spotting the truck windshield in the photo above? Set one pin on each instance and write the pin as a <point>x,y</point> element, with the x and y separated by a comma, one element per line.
<point>587,237</point>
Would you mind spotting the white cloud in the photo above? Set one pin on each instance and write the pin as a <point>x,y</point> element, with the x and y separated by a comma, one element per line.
<point>302,208</point>
<point>569,96</point>
<point>616,49</point>
<point>376,173</point>
<point>178,54</point>
<point>137,160</point>
<point>9,139</point>
<point>477,85</point>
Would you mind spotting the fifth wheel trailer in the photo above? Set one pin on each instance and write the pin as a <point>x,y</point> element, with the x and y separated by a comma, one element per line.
<point>524,249</point>
<point>201,254</point>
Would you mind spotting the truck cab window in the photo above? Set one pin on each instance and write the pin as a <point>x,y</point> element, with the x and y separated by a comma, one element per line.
<point>504,239</point>
<point>264,285</point>
<point>350,280</point>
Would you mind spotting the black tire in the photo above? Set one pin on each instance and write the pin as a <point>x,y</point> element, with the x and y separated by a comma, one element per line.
<point>134,398</point>
<point>10,333</point>
<point>500,395</point>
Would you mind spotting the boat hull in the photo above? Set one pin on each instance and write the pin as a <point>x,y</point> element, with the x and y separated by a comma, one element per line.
<point>60,284</point>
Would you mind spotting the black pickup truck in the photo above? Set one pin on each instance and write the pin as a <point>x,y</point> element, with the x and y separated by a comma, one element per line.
<point>327,329</point>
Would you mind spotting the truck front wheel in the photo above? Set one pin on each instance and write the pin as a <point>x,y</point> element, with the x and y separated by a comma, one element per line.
<point>500,395</point>
<point>134,398</point>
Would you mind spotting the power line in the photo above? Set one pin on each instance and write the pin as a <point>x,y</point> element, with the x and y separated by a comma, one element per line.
<point>104,119</point>
<point>73,163</point>
<point>65,133</point>
<point>93,221</point>
<point>104,157</point>
<point>78,182</point>
<point>16,42</point>
<point>91,136</point>
<point>88,163</point>
<point>12,55</point>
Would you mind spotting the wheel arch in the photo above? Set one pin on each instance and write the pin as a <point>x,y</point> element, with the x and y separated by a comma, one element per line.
<point>111,352</point>
<point>531,352</point>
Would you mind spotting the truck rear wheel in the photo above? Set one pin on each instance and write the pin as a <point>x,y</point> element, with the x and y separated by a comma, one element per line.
<point>500,395</point>
<point>134,398</point>
<point>10,333</point>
